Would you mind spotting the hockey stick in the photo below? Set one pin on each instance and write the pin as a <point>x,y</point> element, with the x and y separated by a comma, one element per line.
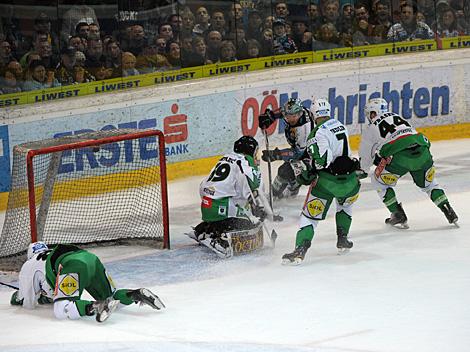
<point>10,286</point>
<point>273,234</point>
<point>270,178</point>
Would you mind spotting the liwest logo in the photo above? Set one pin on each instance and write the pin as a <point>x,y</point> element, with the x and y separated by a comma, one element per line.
<point>174,128</point>
<point>406,101</point>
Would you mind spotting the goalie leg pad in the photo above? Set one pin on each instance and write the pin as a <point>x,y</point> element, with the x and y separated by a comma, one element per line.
<point>220,245</point>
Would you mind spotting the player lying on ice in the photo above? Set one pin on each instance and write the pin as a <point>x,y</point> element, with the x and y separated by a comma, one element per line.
<point>332,174</point>
<point>396,148</point>
<point>60,276</point>
<point>228,195</point>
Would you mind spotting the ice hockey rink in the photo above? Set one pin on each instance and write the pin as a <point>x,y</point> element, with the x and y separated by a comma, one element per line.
<point>396,291</point>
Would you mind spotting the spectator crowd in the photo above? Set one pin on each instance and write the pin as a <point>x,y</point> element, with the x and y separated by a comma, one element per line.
<point>97,40</point>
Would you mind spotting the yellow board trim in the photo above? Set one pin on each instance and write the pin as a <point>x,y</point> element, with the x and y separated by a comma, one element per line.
<point>202,166</point>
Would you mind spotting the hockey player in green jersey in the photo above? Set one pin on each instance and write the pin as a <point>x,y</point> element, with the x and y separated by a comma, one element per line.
<point>396,148</point>
<point>228,195</point>
<point>332,175</point>
<point>63,273</point>
<point>299,124</point>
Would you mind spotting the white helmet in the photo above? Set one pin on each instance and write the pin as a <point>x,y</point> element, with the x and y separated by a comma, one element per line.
<point>377,105</point>
<point>320,108</point>
<point>35,248</point>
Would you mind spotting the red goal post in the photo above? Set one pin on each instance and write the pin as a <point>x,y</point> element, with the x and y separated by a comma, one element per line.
<point>91,187</point>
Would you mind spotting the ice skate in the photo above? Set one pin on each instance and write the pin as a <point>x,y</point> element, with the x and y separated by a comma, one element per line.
<point>343,244</point>
<point>103,309</point>
<point>298,255</point>
<point>450,214</point>
<point>220,244</point>
<point>398,218</point>
<point>145,296</point>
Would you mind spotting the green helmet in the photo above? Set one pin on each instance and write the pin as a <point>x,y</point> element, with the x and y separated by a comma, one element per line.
<point>292,107</point>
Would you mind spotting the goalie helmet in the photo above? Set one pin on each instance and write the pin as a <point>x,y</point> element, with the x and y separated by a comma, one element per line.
<point>246,145</point>
<point>35,248</point>
<point>320,108</point>
<point>377,105</point>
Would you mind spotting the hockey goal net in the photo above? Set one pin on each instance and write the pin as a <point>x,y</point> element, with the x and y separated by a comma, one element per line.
<point>86,188</point>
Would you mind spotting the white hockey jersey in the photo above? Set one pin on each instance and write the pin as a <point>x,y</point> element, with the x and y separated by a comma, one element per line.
<point>327,142</point>
<point>32,282</point>
<point>386,128</point>
<point>226,178</point>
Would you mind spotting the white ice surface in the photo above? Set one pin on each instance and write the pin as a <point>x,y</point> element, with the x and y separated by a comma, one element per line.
<point>396,291</point>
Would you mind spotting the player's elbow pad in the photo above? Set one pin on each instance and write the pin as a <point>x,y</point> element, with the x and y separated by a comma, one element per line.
<point>65,309</point>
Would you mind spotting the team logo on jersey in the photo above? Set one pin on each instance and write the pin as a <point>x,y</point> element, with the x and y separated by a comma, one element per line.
<point>352,199</point>
<point>389,179</point>
<point>206,202</point>
<point>430,174</point>
<point>222,210</point>
<point>315,207</point>
<point>68,285</point>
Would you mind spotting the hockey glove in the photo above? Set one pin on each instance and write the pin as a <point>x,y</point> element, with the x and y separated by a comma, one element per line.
<point>265,120</point>
<point>257,209</point>
<point>271,155</point>
<point>14,301</point>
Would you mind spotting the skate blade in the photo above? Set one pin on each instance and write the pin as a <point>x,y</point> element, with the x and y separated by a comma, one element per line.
<point>402,226</point>
<point>342,251</point>
<point>156,303</point>
<point>295,262</point>
<point>104,315</point>
<point>456,224</point>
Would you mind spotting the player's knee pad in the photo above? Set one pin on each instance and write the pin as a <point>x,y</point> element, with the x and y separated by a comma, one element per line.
<point>286,172</point>
<point>384,180</point>
<point>316,208</point>
<point>65,309</point>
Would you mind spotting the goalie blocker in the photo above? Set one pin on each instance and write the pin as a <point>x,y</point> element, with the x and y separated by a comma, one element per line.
<point>230,243</point>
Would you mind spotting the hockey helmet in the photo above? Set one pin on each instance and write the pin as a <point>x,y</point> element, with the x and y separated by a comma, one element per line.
<point>246,145</point>
<point>320,108</point>
<point>292,110</point>
<point>377,105</point>
<point>35,248</point>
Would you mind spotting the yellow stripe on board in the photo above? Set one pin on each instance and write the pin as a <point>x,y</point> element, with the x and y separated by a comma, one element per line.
<point>95,185</point>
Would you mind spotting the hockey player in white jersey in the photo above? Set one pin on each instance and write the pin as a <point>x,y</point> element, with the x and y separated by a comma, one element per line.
<point>229,198</point>
<point>299,124</point>
<point>395,148</point>
<point>332,174</point>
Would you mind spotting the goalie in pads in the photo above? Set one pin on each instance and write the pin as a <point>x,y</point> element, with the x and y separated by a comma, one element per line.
<point>60,276</point>
<point>226,202</point>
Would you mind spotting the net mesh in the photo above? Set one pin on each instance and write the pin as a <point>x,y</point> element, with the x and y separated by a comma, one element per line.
<point>101,193</point>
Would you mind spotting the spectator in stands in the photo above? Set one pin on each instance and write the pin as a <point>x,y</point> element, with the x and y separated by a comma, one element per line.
<point>254,26</point>
<point>151,61</point>
<point>281,10</point>
<point>165,30</point>
<point>38,38</point>
<point>128,65</point>
<point>40,78</point>
<point>282,43</point>
<point>327,38</point>
<point>173,54</point>
<point>15,67</point>
<point>447,25</point>
<point>253,48</point>
<point>382,20</point>
<point>160,45</point>
<point>214,40</point>
<point>239,39</point>
<point>362,29</point>
<point>79,12</point>
<point>82,29</point>
<point>199,56</point>
<point>235,17</point>
<point>267,42</point>
<point>64,72</point>
<point>408,28</point>
<point>227,51</point>
<point>42,24</point>
<point>218,22</point>
<point>80,58</point>
<point>44,50</point>
<point>186,48</point>
<point>113,57</point>
<point>299,27</point>
<point>94,30</point>
<point>314,18</point>
<point>346,19</point>
<point>9,84</point>
<point>427,9</point>
<point>188,23</point>
<point>176,23</point>
<point>330,12</point>
<point>94,55</point>
<point>202,21</point>
<point>80,75</point>
<point>268,22</point>
<point>77,43</point>
<point>102,73</point>
<point>5,54</point>
<point>137,39</point>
